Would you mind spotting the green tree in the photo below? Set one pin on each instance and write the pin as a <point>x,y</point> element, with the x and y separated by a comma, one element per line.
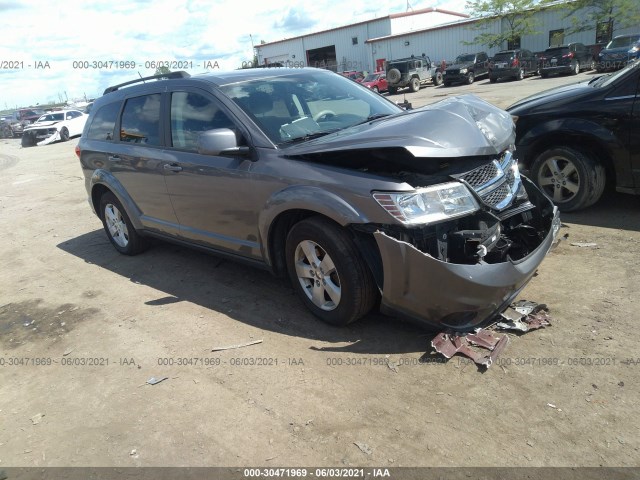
<point>590,14</point>
<point>517,15</point>
<point>162,70</point>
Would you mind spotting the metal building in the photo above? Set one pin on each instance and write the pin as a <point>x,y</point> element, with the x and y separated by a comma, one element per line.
<point>440,34</point>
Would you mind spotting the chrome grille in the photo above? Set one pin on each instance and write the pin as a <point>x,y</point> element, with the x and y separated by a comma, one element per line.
<point>497,183</point>
<point>481,175</point>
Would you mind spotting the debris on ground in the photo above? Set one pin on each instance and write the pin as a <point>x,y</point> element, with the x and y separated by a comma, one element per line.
<point>36,419</point>
<point>484,345</point>
<point>392,366</point>
<point>154,380</point>
<point>524,316</point>
<point>584,244</point>
<point>363,447</point>
<point>231,347</point>
<point>450,344</point>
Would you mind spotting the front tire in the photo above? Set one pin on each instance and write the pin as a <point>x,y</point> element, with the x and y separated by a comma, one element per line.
<point>122,235</point>
<point>438,79</point>
<point>571,178</point>
<point>393,90</point>
<point>414,85</point>
<point>64,134</point>
<point>328,272</point>
<point>470,78</point>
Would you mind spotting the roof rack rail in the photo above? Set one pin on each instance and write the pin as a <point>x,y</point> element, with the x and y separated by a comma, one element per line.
<point>180,74</point>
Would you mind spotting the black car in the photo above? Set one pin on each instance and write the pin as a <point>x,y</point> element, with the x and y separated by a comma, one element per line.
<point>515,64</point>
<point>466,68</point>
<point>569,58</point>
<point>576,137</point>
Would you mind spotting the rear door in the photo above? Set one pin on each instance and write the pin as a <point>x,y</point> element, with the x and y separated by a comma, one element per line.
<point>137,161</point>
<point>482,64</point>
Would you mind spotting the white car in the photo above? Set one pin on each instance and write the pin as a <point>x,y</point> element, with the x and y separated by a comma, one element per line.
<point>54,126</point>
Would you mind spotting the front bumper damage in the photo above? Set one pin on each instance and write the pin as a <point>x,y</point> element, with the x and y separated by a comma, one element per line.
<point>40,136</point>
<point>459,297</point>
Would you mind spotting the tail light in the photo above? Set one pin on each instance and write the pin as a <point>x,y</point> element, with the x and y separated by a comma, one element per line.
<point>515,62</point>
<point>568,55</point>
<point>78,150</point>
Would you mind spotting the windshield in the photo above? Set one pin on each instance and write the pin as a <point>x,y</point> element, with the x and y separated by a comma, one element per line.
<point>622,42</point>
<point>51,117</point>
<point>465,58</point>
<point>372,77</point>
<point>303,104</point>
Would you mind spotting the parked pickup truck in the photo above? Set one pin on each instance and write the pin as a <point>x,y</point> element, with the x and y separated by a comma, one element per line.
<point>412,72</point>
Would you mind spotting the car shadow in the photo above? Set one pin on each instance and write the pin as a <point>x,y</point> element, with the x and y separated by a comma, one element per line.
<point>246,294</point>
<point>614,210</point>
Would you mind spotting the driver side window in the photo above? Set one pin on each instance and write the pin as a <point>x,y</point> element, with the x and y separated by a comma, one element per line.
<point>192,114</point>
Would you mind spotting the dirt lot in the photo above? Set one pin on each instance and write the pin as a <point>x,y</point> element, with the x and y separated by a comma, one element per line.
<point>82,328</point>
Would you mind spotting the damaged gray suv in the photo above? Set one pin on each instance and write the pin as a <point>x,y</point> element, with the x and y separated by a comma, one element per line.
<point>314,177</point>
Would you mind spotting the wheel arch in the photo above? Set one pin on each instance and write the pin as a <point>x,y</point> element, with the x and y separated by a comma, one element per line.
<point>103,182</point>
<point>596,143</point>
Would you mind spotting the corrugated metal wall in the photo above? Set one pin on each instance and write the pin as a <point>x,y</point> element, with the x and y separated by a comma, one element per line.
<point>443,43</point>
<point>348,55</point>
<point>420,21</point>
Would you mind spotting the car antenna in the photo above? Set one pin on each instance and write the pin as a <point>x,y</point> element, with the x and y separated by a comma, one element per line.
<point>141,77</point>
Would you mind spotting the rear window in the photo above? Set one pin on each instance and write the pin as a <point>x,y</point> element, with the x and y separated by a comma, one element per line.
<point>141,120</point>
<point>104,122</point>
<point>504,56</point>
<point>556,51</point>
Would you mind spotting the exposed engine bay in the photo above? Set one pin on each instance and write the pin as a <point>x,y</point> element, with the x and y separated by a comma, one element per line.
<point>508,226</point>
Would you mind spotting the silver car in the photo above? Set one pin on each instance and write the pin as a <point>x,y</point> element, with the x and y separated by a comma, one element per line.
<point>311,175</point>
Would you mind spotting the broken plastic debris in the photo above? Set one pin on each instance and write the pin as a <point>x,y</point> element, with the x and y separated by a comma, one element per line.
<point>363,447</point>
<point>516,317</point>
<point>154,380</point>
<point>36,419</point>
<point>584,244</point>
<point>231,347</point>
<point>449,344</point>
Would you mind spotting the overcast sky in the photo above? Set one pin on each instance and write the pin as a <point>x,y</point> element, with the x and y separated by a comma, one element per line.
<point>35,32</point>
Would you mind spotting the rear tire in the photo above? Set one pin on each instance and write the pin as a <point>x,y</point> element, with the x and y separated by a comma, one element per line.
<point>122,235</point>
<point>575,68</point>
<point>328,273</point>
<point>437,80</point>
<point>571,178</point>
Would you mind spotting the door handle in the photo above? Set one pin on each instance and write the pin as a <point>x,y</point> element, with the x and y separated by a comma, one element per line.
<point>172,167</point>
<point>114,158</point>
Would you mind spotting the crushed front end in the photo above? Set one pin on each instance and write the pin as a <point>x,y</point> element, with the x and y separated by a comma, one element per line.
<point>40,136</point>
<point>458,273</point>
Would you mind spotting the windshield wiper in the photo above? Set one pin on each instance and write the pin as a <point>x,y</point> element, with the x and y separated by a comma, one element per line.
<point>370,118</point>
<point>309,136</point>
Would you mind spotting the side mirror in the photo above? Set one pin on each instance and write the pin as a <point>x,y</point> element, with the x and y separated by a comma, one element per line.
<point>220,141</point>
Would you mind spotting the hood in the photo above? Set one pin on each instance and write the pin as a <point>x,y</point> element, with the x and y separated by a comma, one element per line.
<point>370,84</point>
<point>610,51</point>
<point>553,97</point>
<point>460,126</point>
<point>457,66</point>
<point>42,124</point>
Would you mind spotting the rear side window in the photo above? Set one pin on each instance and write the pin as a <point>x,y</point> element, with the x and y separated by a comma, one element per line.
<point>141,120</point>
<point>104,122</point>
<point>192,114</point>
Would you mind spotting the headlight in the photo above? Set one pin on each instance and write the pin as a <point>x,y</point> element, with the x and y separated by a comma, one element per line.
<point>463,70</point>
<point>429,205</point>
